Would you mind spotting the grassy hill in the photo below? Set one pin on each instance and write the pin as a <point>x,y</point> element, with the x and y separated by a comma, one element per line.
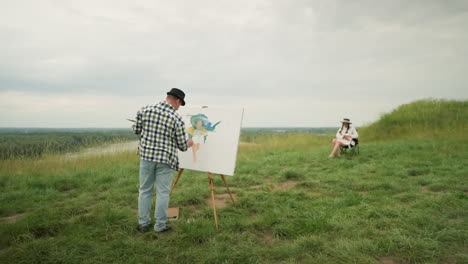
<point>404,200</point>
<point>421,119</point>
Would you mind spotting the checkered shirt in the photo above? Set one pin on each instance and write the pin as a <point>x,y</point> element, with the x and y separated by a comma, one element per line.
<point>161,131</point>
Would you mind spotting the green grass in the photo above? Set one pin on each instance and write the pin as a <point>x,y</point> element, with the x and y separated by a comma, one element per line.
<point>406,200</point>
<point>403,200</point>
<point>280,141</point>
<point>423,119</point>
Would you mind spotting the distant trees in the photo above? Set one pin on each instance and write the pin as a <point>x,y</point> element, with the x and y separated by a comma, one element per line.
<point>36,144</point>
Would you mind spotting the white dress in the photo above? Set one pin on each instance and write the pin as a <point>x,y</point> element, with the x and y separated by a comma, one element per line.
<point>351,132</point>
<point>198,137</point>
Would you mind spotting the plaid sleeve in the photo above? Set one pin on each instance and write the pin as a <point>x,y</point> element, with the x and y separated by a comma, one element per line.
<point>180,136</point>
<point>138,125</point>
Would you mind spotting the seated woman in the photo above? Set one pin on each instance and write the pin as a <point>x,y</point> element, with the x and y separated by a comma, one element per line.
<point>344,137</point>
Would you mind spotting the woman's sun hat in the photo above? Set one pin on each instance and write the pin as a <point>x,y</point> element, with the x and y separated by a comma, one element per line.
<point>346,120</point>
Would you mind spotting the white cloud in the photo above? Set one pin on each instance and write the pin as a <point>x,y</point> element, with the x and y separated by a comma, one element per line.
<point>323,57</point>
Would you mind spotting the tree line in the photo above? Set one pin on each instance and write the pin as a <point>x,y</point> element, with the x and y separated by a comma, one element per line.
<point>36,144</point>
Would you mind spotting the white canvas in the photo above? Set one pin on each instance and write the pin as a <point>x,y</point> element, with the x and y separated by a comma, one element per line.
<point>216,151</point>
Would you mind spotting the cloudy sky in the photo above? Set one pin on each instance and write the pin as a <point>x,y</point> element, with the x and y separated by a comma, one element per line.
<point>287,63</point>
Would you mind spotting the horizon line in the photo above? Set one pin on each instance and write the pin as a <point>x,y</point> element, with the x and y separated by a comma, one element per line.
<point>130,127</point>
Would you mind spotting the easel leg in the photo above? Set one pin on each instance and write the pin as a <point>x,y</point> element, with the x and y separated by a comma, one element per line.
<point>177,179</point>
<point>210,177</point>
<point>229,191</point>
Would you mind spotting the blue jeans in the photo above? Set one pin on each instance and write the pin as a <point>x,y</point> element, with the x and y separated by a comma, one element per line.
<point>151,173</point>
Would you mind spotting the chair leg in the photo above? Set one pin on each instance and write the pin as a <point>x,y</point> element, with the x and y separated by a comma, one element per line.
<point>354,150</point>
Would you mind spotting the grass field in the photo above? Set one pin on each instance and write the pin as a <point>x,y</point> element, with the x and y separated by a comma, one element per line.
<point>400,201</point>
<point>34,142</point>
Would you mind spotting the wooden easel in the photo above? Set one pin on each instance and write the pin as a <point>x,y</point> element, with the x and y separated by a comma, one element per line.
<point>210,178</point>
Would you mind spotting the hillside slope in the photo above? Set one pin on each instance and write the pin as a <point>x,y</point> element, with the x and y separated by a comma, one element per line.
<point>420,119</point>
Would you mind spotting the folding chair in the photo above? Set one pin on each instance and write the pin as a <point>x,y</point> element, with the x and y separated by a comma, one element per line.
<point>351,149</point>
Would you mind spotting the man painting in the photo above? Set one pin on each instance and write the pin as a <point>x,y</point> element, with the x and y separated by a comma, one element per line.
<point>162,132</point>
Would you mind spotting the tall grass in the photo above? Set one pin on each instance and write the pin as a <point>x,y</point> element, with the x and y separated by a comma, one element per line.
<point>263,141</point>
<point>421,119</point>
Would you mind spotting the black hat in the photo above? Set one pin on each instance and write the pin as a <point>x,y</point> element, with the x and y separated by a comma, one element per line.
<point>177,93</point>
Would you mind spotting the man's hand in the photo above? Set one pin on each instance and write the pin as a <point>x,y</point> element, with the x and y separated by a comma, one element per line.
<point>190,143</point>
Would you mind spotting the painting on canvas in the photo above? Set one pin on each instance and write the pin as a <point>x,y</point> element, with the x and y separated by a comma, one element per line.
<point>215,133</point>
